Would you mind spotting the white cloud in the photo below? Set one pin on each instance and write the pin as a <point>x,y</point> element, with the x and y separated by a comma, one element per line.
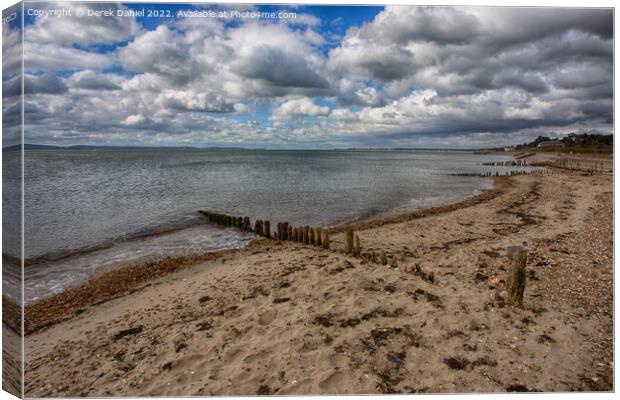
<point>300,107</point>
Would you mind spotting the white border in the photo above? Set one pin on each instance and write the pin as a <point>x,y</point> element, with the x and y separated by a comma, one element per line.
<point>507,3</point>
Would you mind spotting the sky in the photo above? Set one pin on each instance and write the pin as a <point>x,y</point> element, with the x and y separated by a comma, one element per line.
<point>308,76</point>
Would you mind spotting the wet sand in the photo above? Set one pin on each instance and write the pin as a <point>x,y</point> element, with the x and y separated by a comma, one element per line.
<point>283,318</point>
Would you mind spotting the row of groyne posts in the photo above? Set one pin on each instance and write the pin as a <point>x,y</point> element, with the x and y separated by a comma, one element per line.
<point>306,235</point>
<point>489,174</point>
<point>301,234</point>
<point>507,163</point>
<point>573,164</point>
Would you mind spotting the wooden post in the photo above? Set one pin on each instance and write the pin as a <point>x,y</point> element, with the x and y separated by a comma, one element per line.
<point>516,276</point>
<point>348,248</point>
<point>325,239</point>
<point>311,235</point>
<point>246,224</point>
<point>318,236</point>
<point>384,259</point>
<point>358,248</point>
<point>267,229</point>
<point>288,232</point>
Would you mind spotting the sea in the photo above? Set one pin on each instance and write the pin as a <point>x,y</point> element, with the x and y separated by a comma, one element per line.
<point>90,210</point>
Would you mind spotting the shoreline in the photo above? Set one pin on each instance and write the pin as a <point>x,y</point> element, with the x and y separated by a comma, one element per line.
<point>115,283</point>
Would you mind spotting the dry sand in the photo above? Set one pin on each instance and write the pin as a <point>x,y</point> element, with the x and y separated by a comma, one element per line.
<point>282,318</point>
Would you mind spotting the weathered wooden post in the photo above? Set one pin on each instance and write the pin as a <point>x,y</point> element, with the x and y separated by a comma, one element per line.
<point>318,237</point>
<point>384,259</point>
<point>516,276</point>
<point>288,232</point>
<point>246,224</point>
<point>325,239</point>
<point>348,248</point>
<point>358,248</point>
<point>311,235</point>
<point>267,229</point>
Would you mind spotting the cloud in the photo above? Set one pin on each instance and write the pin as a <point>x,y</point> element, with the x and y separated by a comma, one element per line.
<point>278,68</point>
<point>163,52</point>
<point>50,58</point>
<point>92,80</point>
<point>47,83</point>
<point>300,107</point>
<point>11,50</point>
<point>191,101</point>
<point>81,28</point>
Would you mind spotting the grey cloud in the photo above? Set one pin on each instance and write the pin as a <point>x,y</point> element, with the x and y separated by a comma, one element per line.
<point>91,80</point>
<point>47,83</point>
<point>510,26</point>
<point>442,25</point>
<point>278,68</point>
<point>528,81</point>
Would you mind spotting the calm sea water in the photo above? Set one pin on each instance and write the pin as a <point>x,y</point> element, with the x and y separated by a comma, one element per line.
<point>86,210</point>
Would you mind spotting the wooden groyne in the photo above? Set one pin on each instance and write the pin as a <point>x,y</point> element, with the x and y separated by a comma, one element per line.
<point>308,235</point>
<point>508,163</point>
<point>319,237</point>
<point>490,174</point>
<point>574,164</point>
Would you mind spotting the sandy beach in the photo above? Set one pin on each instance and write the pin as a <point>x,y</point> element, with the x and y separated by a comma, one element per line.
<point>284,318</point>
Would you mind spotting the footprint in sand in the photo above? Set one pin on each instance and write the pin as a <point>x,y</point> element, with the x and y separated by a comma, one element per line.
<point>333,383</point>
<point>267,317</point>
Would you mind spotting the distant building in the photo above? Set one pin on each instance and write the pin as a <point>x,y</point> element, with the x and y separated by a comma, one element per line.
<point>509,149</point>
<point>551,143</point>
